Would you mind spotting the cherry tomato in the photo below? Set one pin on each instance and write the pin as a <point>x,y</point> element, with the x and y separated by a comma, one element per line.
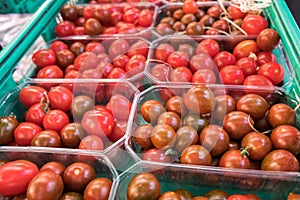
<point>235,12</point>
<point>64,58</point>
<point>161,72</point>
<point>265,57</point>
<point>78,175</point>
<point>281,114</point>
<point>267,39</point>
<point>280,160</point>
<point>247,65</point>
<point>120,61</point>
<point>55,120</point>
<point>15,176</point>
<point>46,138</point>
<point>234,159</point>
<point>30,95</point>
<point>190,6</point>
<point>71,195</point>
<point>92,27</point>
<point>79,105</point>
<point>60,98</point>
<point>185,136</point>
<point>224,58</point>
<point>145,18</point>
<point>178,59</point>
<point>91,142</point>
<point>56,46</point>
<point>44,57</point>
<point>86,60</point>
<point>135,65</point>
<point>98,188</point>
<point>65,28</point>
<point>8,125</point>
<point>118,47</point>
<point>232,75</point>
<point>118,131</point>
<point>201,61</point>
<point>181,74</point>
<point>252,197</point>
<point>163,136</point>
<point>95,47</point>
<point>98,123</point>
<point>142,136</point>
<point>56,167</point>
<point>151,110</point>
<point>170,118</point>
<point>273,71</point>
<point>131,15</point>
<point>196,155</point>
<point>117,73</point>
<point>71,135</point>
<point>143,186</point>
<point>169,195</point>
<point>210,46</point>
<point>25,132</point>
<point>216,194</point>
<point>46,185</point>
<point>119,106</point>
<point>156,155</point>
<point>176,104</point>
<point>163,51</point>
<point>293,196</point>
<point>69,12</point>
<point>254,24</point>
<point>257,80</point>
<point>245,48</point>
<point>50,71</point>
<point>139,47</point>
<point>237,197</point>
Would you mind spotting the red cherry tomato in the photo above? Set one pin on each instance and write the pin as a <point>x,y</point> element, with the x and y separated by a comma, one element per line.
<point>131,15</point>
<point>135,65</point>
<point>31,95</point>
<point>178,59</point>
<point>237,197</point>
<point>51,71</point>
<point>265,57</point>
<point>88,11</point>
<point>204,76</point>
<point>223,59</point>
<point>55,120</point>
<point>139,47</point>
<point>163,51</point>
<point>86,60</point>
<point>58,45</point>
<point>156,155</point>
<point>181,74</point>
<point>190,7</point>
<point>118,47</point>
<point>44,57</point>
<point>118,131</point>
<point>232,75</point>
<point>117,73</point>
<point>36,113</point>
<point>161,72</point>
<point>119,106</point>
<point>91,142</point>
<point>65,28</point>
<point>15,176</point>
<point>273,71</point>
<point>25,132</point>
<point>257,80</point>
<point>95,47</point>
<point>120,61</point>
<point>247,65</point>
<point>245,48</point>
<point>253,24</point>
<point>209,46</point>
<point>98,122</point>
<point>235,12</point>
<point>60,98</point>
<point>145,18</point>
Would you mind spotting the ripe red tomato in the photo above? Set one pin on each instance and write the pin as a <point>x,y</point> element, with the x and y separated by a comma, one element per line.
<point>265,57</point>
<point>139,47</point>
<point>118,47</point>
<point>253,24</point>
<point>98,122</point>
<point>118,131</point>
<point>163,51</point>
<point>145,18</point>
<point>56,46</point>
<point>224,58</point>
<point>15,176</point>
<point>273,71</point>
<point>119,106</point>
<point>237,197</point>
<point>235,12</point>
<point>44,57</point>
<point>135,65</point>
<point>25,132</point>
<point>60,98</point>
<point>160,72</point>
<point>120,61</point>
<point>209,46</point>
<point>131,15</point>
<point>232,75</point>
<point>55,120</point>
<point>86,60</point>
<point>50,71</point>
<point>178,59</point>
<point>257,80</point>
<point>88,11</point>
<point>181,74</point>
<point>95,47</point>
<point>117,73</point>
<point>156,155</point>
<point>30,95</point>
<point>190,7</point>
<point>64,29</point>
<point>248,66</point>
<point>201,61</point>
<point>245,48</point>
<point>91,142</point>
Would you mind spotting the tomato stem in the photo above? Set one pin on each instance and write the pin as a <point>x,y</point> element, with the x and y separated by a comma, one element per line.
<point>171,152</point>
<point>252,125</point>
<point>45,105</point>
<point>244,152</point>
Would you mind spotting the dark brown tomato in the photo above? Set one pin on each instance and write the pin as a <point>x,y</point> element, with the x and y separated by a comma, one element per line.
<point>207,20</point>
<point>56,167</point>
<point>176,104</point>
<point>188,18</point>
<point>215,139</point>
<point>170,118</point>
<point>267,39</point>
<point>64,58</point>
<point>253,104</point>
<point>156,155</point>
<point>69,12</point>
<point>18,197</point>
<point>185,136</point>
<point>98,188</point>
<point>257,144</point>
<point>168,20</point>
<point>216,195</point>
<point>214,11</point>
<point>46,185</point>
<point>92,27</point>
<point>263,124</point>
<point>196,155</point>
<point>234,159</point>
<point>143,186</point>
<point>71,135</point>
<point>8,124</point>
<point>163,136</point>
<point>281,114</point>
<point>224,104</point>
<point>71,196</point>
<point>142,136</point>
<point>184,194</point>
<point>178,14</point>
<point>234,145</point>
<point>286,137</point>
<point>46,138</point>
<point>280,160</point>
<point>81,104</point>
<point>196,121</point>
<point>221,24</point>
<point>151,110</point>
<point>199,99</point>
<point>195,28</point>
<point>78,175</point>
<point>237,124</point>
<point>77,48</point>
<point>169,195</point>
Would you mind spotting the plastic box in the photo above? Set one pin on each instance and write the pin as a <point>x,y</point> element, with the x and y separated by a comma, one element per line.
<point>40,156</point>
<point>226,43</point>
<point>19,6</point>
<point>199,180</point>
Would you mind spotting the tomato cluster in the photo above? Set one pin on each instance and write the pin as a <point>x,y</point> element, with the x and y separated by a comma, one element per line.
<point>191,19</point>
<point>84,119</point>
<point>107,59</point>
<point>96,19</point>
<point>210,61</point>
<point>200,126</point>
<point>23,179</point>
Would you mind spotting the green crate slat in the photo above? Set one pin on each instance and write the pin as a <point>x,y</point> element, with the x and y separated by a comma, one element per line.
<point>19,6</point>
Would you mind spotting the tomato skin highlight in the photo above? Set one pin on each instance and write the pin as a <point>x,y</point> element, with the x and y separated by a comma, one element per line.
<point>15,176</point>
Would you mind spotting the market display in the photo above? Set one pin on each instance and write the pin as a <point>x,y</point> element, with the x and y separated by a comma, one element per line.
<point>154,100</point>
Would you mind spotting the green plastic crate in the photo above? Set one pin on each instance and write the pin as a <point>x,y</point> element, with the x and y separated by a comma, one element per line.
<point>19,6</point>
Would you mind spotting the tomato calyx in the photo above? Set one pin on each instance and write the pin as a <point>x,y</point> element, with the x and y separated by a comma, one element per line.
<point>45,102</point>
<point>13,115</point>
<point>244,152</point>
<point>171,152</point>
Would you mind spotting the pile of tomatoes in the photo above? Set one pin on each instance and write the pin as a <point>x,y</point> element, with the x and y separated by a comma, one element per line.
<point>152,191</point>
<point>197,126</point>
<point>92,116</point>
<point>23,179</point>
<point>108,19</point>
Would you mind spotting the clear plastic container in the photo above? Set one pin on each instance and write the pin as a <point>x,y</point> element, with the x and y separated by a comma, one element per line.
<point>199,180</point>
<point>40,156</point>
<point>203,61</point>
